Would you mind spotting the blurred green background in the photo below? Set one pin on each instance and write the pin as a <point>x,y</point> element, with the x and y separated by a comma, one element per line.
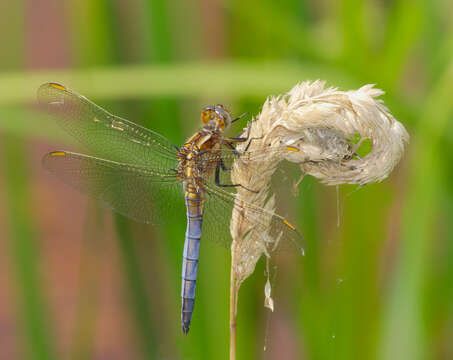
<point>79,283</point>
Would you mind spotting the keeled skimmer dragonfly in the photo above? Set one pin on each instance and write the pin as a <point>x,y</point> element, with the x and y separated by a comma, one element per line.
<point>138,173</point>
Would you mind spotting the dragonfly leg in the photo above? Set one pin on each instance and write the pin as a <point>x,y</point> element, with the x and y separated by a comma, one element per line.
<point>230,145</point>
<point>248,145</point>
<point>223,166</point>
<point>240,138</point>
<point>250,141</point>
<point>240,117</point>
<point>229,141</point>
<point>217,179</point>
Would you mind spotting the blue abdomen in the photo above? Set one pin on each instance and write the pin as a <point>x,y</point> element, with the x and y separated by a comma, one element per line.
<point>190,259</point>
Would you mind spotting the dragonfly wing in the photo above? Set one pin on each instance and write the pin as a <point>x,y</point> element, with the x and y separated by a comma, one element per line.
<point>144,194</point>
<point>270,229</point>
<point>106,135</point>
<point>225,158</point>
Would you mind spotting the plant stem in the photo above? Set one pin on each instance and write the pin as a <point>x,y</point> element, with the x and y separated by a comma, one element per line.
<point>233,300</point>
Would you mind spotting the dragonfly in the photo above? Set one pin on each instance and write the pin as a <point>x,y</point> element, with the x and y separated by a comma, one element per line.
<point>144,176</point>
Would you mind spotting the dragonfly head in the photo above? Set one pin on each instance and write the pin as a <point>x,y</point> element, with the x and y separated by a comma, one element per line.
<point>218,113</point>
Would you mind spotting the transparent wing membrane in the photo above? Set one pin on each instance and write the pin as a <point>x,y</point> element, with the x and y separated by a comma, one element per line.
<point>224,159</point>
<point>144,194</point>
<point>270,229</point>
<point>103,134</point>
<point>228,156</point>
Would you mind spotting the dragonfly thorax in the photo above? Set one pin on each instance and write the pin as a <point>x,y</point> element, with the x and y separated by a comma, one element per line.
<point>196,156</point>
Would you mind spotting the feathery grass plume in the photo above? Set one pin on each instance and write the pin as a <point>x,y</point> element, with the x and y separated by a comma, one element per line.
<point>319,126</point>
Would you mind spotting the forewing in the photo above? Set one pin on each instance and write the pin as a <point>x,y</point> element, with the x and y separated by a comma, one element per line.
<point>144,194</point>
<point>103,134</point>
<point>270,229</point>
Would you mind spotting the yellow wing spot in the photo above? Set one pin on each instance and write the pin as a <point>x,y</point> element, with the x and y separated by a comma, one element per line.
<point>117,125</point>
<point>119,128</point>
<point>57,86</point>
<point>292,148</point>
<point>58,153</point>
<point>289,224</point>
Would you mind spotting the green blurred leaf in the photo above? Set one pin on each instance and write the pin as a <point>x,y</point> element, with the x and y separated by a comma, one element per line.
<point>25,254</point>
<point>404,311</point>
<point>221,79</point>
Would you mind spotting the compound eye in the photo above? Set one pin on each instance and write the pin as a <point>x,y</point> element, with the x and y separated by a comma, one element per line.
<point>224,118</point>
<point>207,115</point>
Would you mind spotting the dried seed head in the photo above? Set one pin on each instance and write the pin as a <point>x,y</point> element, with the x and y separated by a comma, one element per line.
<point>319,126</point>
